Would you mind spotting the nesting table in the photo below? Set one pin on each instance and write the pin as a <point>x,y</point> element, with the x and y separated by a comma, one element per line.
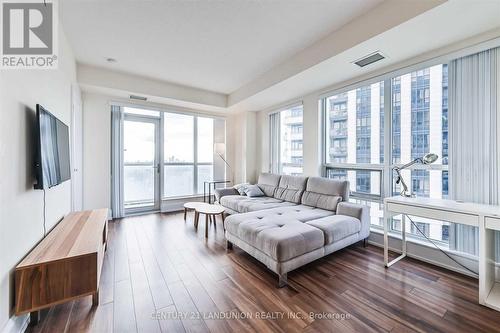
<point>210,211</point>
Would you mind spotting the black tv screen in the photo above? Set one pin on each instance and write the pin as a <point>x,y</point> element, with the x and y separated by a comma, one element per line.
<point>53,159</point>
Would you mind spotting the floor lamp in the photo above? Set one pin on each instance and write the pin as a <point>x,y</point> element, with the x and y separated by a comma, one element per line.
<point>220,149</point>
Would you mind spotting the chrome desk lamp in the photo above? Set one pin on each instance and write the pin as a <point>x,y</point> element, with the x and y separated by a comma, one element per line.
<point>427,159</point>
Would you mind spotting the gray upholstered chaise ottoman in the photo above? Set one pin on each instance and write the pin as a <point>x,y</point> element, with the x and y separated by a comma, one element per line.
<point>298,221</point>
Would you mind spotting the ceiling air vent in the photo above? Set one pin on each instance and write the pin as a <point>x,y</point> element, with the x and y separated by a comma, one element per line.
<point>139,98</point>
<point>369,59</point>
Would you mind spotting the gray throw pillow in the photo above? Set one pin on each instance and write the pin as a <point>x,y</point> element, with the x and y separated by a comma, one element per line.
<point>241,188</point>
<point>253,191</point>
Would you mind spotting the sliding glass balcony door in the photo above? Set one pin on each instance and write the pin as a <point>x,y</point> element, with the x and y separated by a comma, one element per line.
<point>141,171</point>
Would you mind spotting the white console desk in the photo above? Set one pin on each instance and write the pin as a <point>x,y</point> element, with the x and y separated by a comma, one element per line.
<point>485,217</point>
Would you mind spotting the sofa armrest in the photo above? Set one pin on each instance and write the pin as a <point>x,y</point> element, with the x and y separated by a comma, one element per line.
<point>361,212</point>
<point>222,192</point>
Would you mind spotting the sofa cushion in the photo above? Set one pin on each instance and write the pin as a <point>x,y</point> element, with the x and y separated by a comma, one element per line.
<point>336,227</point>
<point>280,238</point>
<point>325,193</point>
<point>290,188</point>
<point>244,204</point>
<point>268,183</point>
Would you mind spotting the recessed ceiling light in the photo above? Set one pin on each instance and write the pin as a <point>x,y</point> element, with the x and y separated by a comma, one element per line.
<point>111,60</point>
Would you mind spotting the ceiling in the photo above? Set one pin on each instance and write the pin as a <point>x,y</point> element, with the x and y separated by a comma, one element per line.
<point>424,36</point>
<point>217,46</point>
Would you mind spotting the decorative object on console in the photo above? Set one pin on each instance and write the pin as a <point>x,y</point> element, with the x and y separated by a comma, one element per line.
<point>427,159</point>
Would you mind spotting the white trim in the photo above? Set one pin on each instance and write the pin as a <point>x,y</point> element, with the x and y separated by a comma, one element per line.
<point>284,106</point>
<point>164,108</point>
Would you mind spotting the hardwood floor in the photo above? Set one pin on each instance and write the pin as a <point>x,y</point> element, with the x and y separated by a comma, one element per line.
<point>158,267</point>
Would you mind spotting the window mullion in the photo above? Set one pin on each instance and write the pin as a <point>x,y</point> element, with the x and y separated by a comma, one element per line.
<point>195,157</point>
<point>387,175</point>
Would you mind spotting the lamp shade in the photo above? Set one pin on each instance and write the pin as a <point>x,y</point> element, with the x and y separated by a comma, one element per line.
<point>429,158</point>
<point>220,148</point>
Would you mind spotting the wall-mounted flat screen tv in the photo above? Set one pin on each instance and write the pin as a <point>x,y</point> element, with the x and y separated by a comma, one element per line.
<point>52,158</point>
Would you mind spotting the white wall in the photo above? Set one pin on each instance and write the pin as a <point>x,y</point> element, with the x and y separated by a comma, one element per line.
<point>311,138</point>
<point>96,151</point>
<point>242,136</point>
<point>21,207</point>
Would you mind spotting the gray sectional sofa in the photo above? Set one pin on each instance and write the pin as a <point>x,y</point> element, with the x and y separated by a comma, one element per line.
<point>298,220</point>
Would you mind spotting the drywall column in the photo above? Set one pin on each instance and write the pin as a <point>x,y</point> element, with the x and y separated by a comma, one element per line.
<point>311,136</point>
<point>241,150</point>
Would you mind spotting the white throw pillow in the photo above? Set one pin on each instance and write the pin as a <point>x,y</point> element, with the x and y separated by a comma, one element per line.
<point>253,191</point>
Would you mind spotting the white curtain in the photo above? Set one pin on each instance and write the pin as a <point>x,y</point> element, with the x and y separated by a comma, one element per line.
<point>274,142</point>
<point>117,207</point>
<point>474,139</point>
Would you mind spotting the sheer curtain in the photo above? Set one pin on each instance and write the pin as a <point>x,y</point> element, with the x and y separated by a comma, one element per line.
<point>117,208</point>
<point>474,138</point>
<point>274,142</point>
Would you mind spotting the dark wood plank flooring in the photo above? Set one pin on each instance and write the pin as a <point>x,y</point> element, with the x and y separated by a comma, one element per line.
<point>160,275</point>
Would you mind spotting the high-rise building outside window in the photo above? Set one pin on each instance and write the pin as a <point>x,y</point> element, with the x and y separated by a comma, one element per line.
<point>355,138</point>
<point>287,140</point>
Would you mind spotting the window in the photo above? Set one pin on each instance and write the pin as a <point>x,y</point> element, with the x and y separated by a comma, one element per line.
<point>286,141</point>
<point>205,160</point>
<point>354,134</point>
<point>179,154</point>
<point>188,154</point>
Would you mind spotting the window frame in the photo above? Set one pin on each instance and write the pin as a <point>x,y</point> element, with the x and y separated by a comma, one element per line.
<point>175,110</point>
<point>195,162</point>
<point>278,164</point>
<point>386,168</point>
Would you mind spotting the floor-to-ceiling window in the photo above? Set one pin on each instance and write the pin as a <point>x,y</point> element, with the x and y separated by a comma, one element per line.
<point>405,117</point>
<point>167,155</point>
<point>287,137</point>
<point>178,157</point>
<point>189,154</point>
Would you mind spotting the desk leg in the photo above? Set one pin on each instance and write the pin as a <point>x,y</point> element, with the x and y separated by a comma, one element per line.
<point>403,243</point>
<point>386,238</point>
<point>403,234</point>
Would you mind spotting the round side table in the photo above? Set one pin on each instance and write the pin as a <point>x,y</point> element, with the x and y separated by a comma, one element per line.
<point>190,206</point>
<point>211,212</point>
